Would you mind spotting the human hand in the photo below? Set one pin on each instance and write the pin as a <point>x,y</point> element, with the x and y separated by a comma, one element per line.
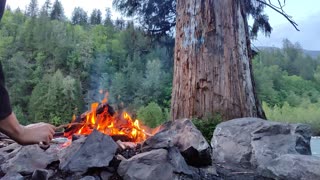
<point>36,134</point>
<point>32,134</point>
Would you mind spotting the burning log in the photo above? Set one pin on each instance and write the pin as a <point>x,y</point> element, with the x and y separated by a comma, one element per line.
<point>126,145</point>
<point>104,119</point>
<point>79,121</point>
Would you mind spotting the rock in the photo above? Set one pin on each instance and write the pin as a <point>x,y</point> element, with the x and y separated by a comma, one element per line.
<point>159,164</point>
<point>177,161</point>
<point>206,173</point>
<point>12,176</point>
<point>184,135</point>
<point>105,175</point>
<point>293,167</point>
<point>9,152</point>
<point>274,139</point>
<point>231,172</point>
<point>252,142</point>
<point>88,178</point>
<point>29,158</point>
<point>97,150</point>
<point>40,174</point>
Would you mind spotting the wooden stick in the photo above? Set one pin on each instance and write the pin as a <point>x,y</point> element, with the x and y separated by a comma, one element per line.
<point>148,134</point>
<point>76,123</point>
<point>69,124</point>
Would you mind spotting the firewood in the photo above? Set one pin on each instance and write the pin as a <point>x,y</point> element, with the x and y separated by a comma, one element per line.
<point>77,123</point>
<point>126,145</point>
<point>120,157</point>
<point>121,145</point>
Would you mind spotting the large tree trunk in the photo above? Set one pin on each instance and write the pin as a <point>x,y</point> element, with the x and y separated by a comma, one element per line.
<point>212,65</point>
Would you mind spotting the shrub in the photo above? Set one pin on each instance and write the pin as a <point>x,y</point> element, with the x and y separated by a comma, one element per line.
<point>306,112</point>
<point>151,115</point>
<point>207,125</point>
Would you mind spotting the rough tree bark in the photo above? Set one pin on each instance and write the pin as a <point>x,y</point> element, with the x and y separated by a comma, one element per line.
<point>212,65</point>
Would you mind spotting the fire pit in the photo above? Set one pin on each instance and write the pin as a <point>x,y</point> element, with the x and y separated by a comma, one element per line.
<point>103,118</point>
<point>104,144</point>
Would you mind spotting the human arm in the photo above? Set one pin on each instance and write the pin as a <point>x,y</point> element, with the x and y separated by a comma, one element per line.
<point>25,135</point>
<point>9,125</point>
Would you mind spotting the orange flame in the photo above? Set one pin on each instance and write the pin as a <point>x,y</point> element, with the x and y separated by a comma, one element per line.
<point>110,125</point>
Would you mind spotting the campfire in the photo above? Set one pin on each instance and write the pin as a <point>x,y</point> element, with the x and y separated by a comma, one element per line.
<point>103,118</point>
<point>107,144</point>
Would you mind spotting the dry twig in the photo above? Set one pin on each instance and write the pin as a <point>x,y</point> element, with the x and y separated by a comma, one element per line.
<point>280,11</point>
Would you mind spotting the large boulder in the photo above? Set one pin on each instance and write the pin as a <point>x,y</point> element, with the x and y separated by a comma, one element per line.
<point>274,139</point>
<point>231,141</point>
<point>97,150</point>
<point>184,135</point>
<point>156,164</point>
<point>25,160</point>
<point>252,143</point>
<point>293,167</point>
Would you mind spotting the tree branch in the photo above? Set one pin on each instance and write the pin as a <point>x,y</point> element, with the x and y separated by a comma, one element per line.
<point>280,11</point>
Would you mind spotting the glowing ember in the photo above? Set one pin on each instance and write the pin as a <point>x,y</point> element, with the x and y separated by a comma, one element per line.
<point>117,124</point>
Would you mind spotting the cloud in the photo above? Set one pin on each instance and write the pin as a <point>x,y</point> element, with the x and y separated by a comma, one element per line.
<point>307,36</point>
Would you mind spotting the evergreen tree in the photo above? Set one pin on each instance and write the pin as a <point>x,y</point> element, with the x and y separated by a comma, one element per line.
<point>57,12</point>
<point>108,20</point>
<point>79,17</point>
<point>158,17</point>
<point>95,17</point>
<point>46,8</point>
<point>32,9</point>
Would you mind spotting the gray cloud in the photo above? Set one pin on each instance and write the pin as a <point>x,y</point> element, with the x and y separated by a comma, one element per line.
<point>308,36</point>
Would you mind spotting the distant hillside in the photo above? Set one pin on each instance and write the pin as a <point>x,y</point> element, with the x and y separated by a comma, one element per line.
<point>311,53</point>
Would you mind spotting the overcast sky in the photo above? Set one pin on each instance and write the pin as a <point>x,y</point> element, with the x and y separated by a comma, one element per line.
<point>305,12</point>
<point>69,5</point>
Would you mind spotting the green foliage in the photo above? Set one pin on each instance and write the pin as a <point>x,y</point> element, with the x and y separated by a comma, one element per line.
<point>207,125</point>
<point>95,18</point>
<point>32,9</point>
<point>151,115</point>
<point>288,84</point>
<point>49,97</point>
<point>286,75</point>
<point>158,17</point>
<point>57,12</point>
<point>307,113</point>
<point>55,67</point>
<point>79,16</point>
<point>317,75</point>
<point>20,115</point>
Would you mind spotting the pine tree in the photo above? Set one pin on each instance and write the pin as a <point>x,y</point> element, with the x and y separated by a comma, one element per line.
<point>57,12</point>
<point>79,17</point>
<point>32,9</point>
<point>108,20</point>
<point>95,17</point>
<point>46,8</point>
